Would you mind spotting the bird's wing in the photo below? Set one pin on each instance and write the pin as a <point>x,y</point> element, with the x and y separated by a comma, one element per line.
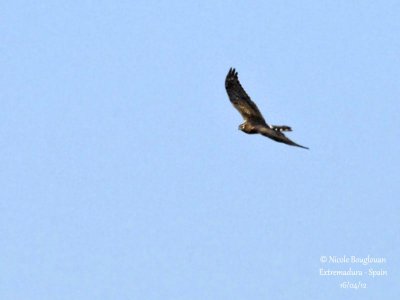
<point>276,136</point>
<point>239,98</point>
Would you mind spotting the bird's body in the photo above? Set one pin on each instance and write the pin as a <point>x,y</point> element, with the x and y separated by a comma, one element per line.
<point>253,120</point>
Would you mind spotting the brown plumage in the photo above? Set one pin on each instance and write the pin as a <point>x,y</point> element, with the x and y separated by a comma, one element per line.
<point>253,120</point>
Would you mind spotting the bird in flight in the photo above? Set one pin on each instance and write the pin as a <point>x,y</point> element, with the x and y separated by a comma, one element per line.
<point>253,120</point>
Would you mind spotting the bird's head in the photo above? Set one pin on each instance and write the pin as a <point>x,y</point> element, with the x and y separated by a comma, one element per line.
<point>242,127</point>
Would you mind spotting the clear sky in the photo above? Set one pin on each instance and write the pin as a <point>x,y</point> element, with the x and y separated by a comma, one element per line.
<point>124,175</point>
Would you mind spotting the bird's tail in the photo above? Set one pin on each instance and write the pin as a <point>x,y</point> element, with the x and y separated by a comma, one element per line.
<point>281,128</point>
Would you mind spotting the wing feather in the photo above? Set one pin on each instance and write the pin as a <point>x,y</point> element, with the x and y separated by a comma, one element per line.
<point>239,98</point>
<point>276,136</point>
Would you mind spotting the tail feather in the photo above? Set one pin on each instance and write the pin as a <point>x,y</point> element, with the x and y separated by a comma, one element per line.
<point>281,128</point>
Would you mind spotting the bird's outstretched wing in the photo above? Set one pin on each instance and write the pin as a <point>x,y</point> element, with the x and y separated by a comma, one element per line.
<point>276,136</point>
<point>239,98</point>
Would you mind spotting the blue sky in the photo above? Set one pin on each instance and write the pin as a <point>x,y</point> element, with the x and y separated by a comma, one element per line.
<point>123,174</point>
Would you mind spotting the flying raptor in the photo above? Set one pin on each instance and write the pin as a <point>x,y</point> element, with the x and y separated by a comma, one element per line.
<point>253,120</point>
